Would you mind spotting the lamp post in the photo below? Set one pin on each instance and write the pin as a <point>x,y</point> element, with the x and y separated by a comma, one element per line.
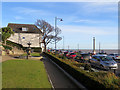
<point>63,42</point>
<point>78,47</point>
<point>94,45</point>
<point>99,47</point>
<point>55,29</point>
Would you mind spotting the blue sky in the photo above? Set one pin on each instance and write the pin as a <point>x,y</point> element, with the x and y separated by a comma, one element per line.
<point>81,21</point>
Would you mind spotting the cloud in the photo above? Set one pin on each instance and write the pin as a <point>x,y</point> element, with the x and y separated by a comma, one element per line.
<point>60,0</point>
<point>92,21</point>
<point>30,11</point>
<point>88,30</point>
<point>104,7</point>
<point>18,17</point>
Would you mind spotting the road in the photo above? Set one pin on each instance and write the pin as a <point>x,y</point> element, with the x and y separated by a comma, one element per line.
<point>58,78</point>
<point>118,70</point>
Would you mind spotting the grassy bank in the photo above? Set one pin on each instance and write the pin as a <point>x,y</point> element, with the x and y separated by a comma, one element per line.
<point>24,74</point>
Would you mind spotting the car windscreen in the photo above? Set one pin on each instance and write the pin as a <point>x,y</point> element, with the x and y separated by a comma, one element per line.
<point>72,54</point>
<point>85,55</point>
<point>106,58</point>
<point>117,54</point>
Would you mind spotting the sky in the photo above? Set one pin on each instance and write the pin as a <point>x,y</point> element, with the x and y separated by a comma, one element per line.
<point>81,21</point>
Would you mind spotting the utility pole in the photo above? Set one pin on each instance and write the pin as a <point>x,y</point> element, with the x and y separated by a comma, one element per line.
<point>63,42</point>
<point>99,47</point>
<point>78,47</point>
<point>94,45</point>
<point>55,30</point>
<point>68,47</point>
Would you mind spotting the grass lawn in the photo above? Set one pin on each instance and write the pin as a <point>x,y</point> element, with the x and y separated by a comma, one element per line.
<point>32,54</point>
<point>35,54</point>
<point>24,74</point>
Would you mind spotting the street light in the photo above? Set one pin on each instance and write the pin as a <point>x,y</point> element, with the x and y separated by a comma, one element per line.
<point>63,42</point>
<point>55,30</point>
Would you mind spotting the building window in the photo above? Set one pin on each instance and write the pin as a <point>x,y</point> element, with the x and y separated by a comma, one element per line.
<point>24,29</point>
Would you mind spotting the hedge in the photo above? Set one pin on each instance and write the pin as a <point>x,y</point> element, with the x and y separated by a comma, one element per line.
<point>88,79</point>
<point>36,49</point>
<point>7,47</point>
<point>19,46</point>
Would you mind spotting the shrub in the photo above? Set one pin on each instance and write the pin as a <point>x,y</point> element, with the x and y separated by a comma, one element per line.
<point>36,49</point>
<point>111,78</point>
<point>13,44</point>
<point>7,47</point>
<point>87,67</point>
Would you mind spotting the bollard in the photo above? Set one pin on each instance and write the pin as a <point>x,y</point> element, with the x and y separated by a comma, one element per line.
<point>114,71</point>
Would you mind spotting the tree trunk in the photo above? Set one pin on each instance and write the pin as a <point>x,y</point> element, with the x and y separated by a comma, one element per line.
<point>45,47</point>
<point>5,42</point>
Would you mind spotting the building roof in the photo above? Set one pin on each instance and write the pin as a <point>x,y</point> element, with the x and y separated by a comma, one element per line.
<point>31,28</point>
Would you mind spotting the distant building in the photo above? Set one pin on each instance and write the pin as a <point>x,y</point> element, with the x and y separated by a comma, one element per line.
<point>25,33</point>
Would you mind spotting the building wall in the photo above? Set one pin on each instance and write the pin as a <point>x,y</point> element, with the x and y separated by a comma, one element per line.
<point>24,38</point>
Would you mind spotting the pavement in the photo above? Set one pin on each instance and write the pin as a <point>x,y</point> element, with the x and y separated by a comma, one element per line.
<point>118,70</point>
<point>58,78</point>
<point>5,58</point>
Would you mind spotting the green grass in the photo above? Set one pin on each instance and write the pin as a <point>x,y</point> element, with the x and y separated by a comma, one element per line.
<point>32,54</point>
<point>35,54</point>
<point>24,74</point>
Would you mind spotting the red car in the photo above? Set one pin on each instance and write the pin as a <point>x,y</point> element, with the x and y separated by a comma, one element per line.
<point>75,52</point>
<point>71,55</point>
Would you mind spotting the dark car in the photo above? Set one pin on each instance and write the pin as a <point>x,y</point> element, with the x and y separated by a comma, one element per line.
<point>83,58</point>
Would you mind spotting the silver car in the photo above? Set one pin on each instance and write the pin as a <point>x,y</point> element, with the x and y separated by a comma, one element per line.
<point>114,56</point>
<point>104,62</point>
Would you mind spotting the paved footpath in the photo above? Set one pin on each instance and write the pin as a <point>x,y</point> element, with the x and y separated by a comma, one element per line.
<point>58,78</point>
<point>5,58</point>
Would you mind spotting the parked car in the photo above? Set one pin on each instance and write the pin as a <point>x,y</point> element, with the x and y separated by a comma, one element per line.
<point>65,52</point>
<point>101,53</point>
<point>83,57</point>
<point>71,55</point>
<point>114,56</point>
<point>103,62</point>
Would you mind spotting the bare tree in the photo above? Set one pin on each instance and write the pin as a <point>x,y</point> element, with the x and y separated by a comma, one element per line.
<point>48,32</point>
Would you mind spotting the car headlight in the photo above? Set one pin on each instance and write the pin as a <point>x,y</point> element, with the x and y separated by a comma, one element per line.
<point>115,64</point>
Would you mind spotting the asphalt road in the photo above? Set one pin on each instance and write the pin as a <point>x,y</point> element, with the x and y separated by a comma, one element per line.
<point>58,78</point>
<point>118,70</point>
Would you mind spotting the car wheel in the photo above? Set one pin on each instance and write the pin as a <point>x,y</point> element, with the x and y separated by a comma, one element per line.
<point>113,58</point>
<point>101,66</point>
<point>89,61</point>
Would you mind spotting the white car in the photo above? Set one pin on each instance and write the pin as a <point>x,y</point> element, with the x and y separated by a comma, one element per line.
<point>104,62</point>
<point>114,56</point>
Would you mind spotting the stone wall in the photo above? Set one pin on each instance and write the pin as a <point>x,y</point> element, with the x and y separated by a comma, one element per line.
<point>24,38</point>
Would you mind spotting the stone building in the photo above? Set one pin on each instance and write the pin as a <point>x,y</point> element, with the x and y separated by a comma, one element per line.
<point>25,33</point>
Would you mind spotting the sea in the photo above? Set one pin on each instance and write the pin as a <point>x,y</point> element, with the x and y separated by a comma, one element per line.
<point>108,51</point>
